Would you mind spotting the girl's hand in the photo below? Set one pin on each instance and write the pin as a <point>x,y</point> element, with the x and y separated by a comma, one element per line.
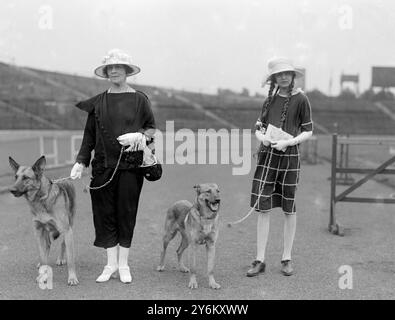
<point>262,137</point>
<point>280,145</point>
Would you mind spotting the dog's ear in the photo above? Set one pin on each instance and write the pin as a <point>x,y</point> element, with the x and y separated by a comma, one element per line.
<point>197,188</point>
<point>14,165</point>
<point>39,165</point>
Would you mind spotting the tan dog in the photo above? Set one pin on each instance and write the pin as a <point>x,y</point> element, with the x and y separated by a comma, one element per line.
<point>53,209</point>
<point>198,225</point>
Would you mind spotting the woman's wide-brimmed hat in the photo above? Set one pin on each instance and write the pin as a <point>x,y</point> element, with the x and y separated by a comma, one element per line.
<point>117,56</point>
<point>277,65</point>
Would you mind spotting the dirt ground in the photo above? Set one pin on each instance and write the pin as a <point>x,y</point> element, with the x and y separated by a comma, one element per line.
<point>368,246</point>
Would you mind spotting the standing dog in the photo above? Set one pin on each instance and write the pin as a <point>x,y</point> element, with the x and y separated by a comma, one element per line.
<point>53,209</point>
<point>197,224</point>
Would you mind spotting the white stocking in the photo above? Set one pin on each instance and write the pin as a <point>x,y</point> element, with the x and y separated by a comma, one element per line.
<point>289,235</point>
<point>112,256</point>
<point>123,256</point>
<point>262,234</point>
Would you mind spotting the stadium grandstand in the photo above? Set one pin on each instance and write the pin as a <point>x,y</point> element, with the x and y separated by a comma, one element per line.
<point>36,99</point>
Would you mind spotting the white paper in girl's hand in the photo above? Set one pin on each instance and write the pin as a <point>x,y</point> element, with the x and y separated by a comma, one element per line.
<point>275,134</point>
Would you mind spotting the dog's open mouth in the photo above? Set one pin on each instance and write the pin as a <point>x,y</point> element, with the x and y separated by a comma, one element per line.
<point>17,193</point>
<point>213,206</point>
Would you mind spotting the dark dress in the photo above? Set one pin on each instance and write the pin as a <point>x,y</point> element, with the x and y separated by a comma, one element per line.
<point>114,206</point>
<point>277,173</point>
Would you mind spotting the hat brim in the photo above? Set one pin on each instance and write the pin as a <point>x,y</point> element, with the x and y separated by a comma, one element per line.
<point>298,74</point>
<point>101,71</point>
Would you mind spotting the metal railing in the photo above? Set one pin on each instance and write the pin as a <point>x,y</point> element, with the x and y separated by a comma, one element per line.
<point>344,169</point>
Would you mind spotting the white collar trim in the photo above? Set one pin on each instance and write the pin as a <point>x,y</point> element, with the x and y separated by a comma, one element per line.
<point>294,92</point>
<point>129,89</point>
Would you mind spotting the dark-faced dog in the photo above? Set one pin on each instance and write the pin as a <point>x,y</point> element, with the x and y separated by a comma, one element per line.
<point>198,225</point>
<point>53,208</point>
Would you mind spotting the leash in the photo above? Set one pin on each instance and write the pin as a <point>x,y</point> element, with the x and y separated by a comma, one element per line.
<point>230,224</point>
<point>61,179</point>
<point>107,182</point>
<point>87,187</point>
<point>112,176</point>
<point>102,186</point>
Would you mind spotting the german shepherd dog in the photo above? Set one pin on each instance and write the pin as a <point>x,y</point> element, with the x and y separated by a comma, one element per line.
<point>53,207</point>
<point>198,224</point>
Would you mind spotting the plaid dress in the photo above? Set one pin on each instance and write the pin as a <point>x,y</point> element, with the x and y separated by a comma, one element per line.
<point>275,180</point>
<point>277,173</point>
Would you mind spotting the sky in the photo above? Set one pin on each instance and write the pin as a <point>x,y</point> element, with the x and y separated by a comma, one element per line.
<point>202,45</point>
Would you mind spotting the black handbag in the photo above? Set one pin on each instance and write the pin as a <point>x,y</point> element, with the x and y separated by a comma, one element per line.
<point>131,159</point>
<point>152,171</point>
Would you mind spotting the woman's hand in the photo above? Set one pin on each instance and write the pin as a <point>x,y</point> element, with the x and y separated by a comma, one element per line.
<point>139,144</point>
<point>76,171</point>
<point>135,141</point>
<point>262,137</point>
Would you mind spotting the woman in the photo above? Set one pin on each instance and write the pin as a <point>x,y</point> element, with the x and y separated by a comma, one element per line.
<point>287,113</point>
<point>120,124</point>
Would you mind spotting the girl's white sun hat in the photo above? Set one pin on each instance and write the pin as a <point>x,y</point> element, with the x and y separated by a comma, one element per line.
<point>117,56</point>
<point>280,64</point>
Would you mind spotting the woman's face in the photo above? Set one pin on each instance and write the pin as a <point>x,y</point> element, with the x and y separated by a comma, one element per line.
<point>116,73</point>
<point>284,79</point>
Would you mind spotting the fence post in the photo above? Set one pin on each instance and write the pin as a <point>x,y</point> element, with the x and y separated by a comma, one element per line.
<point>332,215</point>
<point>55,151</point>
<point>334,227</point>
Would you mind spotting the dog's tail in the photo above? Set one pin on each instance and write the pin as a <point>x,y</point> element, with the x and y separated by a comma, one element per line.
<point>69,193</point>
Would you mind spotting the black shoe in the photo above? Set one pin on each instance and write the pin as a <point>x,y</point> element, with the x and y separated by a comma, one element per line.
<point>287,269</point>
<point>257,268</point>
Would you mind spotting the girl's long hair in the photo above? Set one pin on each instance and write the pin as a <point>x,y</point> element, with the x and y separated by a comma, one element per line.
<point>270,98</point>
<point>286,103</point>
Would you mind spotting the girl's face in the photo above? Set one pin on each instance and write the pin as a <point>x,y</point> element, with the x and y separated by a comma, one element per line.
<point>116,73</point>
<point>284,79</point>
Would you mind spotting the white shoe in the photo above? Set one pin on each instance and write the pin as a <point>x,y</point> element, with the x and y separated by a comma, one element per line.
<point>108,271</point>
<point>124,274</point>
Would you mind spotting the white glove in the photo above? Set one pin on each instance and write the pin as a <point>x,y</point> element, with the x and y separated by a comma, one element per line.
<point>281,145</point>
<point>135,141</point>
<point>262,137</point>
<point>76,171</point>
<point>149,158</point>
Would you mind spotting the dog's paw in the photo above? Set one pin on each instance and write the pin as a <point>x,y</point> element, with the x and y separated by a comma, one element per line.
<point>214,285</point>
<point>160,268</point>
<point>72,281</point>
<point>192,284</point>
<point>61,262</point>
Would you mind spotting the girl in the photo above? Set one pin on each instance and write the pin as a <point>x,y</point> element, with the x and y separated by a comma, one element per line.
<point>120,124</point>
<point>277,172</point>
